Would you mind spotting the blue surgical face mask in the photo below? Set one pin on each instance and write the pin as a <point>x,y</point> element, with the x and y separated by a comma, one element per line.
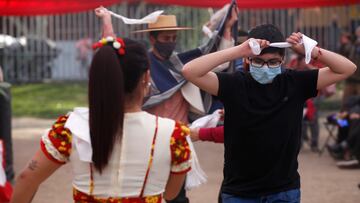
<point>265,74</point>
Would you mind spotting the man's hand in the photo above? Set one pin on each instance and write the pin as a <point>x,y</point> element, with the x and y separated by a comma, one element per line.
<point>232,19</point>
<point>295,39</point>
<point>230,22</point>
<point>244,49</point>
<point>298,47</point>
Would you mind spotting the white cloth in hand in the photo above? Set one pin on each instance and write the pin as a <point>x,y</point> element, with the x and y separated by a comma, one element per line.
<point>209,121</point>
<point>309,45</point>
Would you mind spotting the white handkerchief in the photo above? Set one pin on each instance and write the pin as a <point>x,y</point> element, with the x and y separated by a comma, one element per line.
<point>196,176</point>
<point>151,18</point>
<point>255,47</point>
<point>208,121</point>
<point>78,124</point>
<point>309,45</point>
<point>280,44</point>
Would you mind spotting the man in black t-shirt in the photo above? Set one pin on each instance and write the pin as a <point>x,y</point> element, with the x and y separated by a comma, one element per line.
<point>263,113</point>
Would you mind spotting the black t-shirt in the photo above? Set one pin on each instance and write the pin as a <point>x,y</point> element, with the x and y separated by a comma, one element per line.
<point>262,131</point>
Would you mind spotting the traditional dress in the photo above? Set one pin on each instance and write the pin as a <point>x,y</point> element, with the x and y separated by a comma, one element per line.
<point>138,169</point>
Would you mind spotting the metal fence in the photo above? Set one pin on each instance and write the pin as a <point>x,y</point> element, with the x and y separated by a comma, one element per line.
<point>58,47</point>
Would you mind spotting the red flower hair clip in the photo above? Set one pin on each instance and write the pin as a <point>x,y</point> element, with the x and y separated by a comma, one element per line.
<point>116,43</point>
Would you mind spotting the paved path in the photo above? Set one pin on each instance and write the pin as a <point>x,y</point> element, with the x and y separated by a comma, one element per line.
<point>322,181</point>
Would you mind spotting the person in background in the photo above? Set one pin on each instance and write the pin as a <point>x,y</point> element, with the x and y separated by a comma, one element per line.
<point>242,37</point>
<point>347,147</point>
<point>311,117</point>
<point>345,44</point>
<point>84,52</point>
<point>352,51</point>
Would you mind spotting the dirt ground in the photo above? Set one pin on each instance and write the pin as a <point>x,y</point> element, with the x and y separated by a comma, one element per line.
<point>322,181</point>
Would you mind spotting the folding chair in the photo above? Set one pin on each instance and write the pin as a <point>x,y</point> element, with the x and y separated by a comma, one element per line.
<point>330,128</point>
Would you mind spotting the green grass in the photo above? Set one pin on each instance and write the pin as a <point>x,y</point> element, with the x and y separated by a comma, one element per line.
<point>47,100</point>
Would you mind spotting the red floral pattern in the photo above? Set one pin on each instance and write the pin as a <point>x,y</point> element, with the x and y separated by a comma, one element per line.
<point>180,150</point>
<point>60,137</point>
<point>81,197</point>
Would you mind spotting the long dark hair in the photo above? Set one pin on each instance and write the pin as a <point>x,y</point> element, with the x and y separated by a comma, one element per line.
<point>112,79</point>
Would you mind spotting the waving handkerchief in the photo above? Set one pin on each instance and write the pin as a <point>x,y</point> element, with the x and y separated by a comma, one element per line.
<point>309,45</point>
<point>151,18</point>
<point>196,176</point>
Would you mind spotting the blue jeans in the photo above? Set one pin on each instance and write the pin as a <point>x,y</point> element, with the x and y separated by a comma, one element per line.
<point>290,196</point>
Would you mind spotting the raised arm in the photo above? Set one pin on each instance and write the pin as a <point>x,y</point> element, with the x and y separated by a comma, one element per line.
<point>105,16</point>
<point>27,183</point>
<point>227,40</point>
<point>230,23</point>
<point>338,67</point>
<point>198,71</point>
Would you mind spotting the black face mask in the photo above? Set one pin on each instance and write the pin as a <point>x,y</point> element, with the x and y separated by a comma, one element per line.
<point>165,49</point>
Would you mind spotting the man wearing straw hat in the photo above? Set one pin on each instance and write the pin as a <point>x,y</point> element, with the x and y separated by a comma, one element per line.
<point>163,39</point>
<point>172,96</point>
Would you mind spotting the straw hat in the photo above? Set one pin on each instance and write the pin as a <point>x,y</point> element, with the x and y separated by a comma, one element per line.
<point>163,23</point>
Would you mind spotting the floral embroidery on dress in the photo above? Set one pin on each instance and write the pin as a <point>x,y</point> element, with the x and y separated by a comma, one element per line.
<point>180,150</point>
<point>57,143</point>
<point>81,197</point>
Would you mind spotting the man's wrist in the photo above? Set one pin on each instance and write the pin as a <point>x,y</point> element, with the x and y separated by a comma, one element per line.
<point>240,50</point>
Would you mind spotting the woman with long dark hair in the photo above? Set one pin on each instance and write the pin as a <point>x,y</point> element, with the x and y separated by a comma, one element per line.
<point>119,153</point>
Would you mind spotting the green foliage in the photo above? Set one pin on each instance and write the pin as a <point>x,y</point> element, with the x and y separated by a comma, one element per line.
<point>47,100</point>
